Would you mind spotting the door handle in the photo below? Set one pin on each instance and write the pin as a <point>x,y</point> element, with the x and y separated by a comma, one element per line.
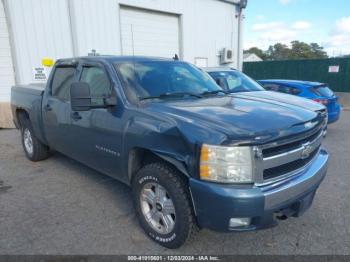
<point>75,116</point>
<point>48,108</point>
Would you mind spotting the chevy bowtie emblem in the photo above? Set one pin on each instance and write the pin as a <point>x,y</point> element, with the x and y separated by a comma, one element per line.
<point>307,150</point>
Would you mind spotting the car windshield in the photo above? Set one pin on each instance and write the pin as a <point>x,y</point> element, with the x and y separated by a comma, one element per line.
<point>323,91</point>
<point>163,79</point>
<point>235,81</point>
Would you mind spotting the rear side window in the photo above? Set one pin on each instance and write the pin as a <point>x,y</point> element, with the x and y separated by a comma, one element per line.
<point>271,87</point>
<point>282,89</point>
<point>289,90</point>
<point>322,91</point>
<point>62,80</point>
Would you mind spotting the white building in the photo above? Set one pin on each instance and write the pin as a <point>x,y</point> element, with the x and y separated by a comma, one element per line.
<point>196,30</point>
<point>251,58</point>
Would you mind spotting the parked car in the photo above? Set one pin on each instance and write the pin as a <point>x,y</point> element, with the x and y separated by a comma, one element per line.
<point>318,92</point>
<point>193,155</point>
<point>239,84</point>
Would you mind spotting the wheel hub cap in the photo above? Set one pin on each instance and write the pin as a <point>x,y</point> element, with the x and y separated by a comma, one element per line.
<point>157,208</point>
<point>28,141</point>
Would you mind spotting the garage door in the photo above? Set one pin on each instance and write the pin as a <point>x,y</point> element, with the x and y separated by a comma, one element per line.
<point>149,33</point>
<point>6,66</point>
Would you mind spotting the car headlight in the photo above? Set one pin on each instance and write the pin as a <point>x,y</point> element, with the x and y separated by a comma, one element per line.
<point>226,164</point>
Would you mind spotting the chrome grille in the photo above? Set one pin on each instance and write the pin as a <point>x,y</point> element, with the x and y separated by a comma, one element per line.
<point>286,158</point>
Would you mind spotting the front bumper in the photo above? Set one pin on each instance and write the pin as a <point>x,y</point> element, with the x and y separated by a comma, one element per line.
<point>215,204</point>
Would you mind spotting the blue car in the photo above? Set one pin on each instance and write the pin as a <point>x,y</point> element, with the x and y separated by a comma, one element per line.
<point>318,92</point>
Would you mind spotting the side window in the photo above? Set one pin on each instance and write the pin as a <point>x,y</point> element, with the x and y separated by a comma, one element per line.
<point>98,80</point>
<point>271,87</point>
<point>289,90</point>
<point>219,80</point>
<point>284,89</point>
<point>295,91</point>
<point>61,82</point>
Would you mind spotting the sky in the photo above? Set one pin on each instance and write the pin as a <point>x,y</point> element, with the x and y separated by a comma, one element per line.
<point>326,22</point>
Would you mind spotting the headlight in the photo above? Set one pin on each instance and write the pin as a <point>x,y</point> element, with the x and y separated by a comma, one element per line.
<point>226,164</point>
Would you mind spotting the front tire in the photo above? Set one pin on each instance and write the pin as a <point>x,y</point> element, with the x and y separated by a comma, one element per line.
<point>163,206</point>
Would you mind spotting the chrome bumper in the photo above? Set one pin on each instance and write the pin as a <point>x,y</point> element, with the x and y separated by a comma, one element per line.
<point>279,193</point>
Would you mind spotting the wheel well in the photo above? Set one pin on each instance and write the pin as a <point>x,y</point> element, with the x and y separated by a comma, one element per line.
<point>140,157</point>
<point>21,114</point>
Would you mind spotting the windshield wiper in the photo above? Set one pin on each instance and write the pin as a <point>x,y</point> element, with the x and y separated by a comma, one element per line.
<point>165,95</point>
<point>214,92</point>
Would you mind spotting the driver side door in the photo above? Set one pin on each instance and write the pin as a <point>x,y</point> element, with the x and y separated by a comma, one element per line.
<point>97,131</point>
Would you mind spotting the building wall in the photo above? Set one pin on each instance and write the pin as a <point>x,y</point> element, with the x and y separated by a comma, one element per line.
<point>66,28</point>
<point>39,28</point>
<point>6,65</point>
<point>206,25</point>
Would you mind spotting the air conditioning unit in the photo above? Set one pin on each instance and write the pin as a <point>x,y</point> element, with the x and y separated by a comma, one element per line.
<point>226,56</point>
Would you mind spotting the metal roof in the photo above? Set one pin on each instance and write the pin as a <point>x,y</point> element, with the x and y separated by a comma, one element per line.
<point>234,2</point>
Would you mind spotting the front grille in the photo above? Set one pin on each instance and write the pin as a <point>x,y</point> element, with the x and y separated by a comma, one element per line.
<point>285,158</point>
<point>274,172</point>
<point>290,146</point>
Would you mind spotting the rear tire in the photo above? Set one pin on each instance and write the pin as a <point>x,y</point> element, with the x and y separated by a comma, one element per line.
<point>33,148</point>
<point>163,205</point>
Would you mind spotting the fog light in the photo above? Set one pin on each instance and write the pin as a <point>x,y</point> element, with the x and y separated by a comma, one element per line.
<point>240,222</point>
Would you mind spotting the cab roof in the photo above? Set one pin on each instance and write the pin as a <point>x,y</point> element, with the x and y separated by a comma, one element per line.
<point>218,69</point>
<point>112,59</point>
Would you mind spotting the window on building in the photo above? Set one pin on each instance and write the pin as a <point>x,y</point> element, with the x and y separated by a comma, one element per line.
<point>62,80</point>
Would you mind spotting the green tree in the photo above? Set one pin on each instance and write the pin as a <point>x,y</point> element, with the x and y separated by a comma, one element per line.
<point>298,50</point>
<point>318,51</point>
<point>278,52</point>
<point>301,50</point>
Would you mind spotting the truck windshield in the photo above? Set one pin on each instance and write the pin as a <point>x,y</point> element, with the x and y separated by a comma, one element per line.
<point>235,81</point>
<point>164,79</point>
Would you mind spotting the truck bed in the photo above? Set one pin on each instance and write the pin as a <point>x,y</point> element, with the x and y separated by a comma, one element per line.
<point>33,89</point>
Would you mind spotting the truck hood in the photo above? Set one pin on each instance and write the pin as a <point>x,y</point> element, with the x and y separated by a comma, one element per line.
<point>237,117</point>
<point>284,98</point>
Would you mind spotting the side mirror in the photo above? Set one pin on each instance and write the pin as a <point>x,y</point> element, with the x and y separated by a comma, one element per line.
<point>80,96</point>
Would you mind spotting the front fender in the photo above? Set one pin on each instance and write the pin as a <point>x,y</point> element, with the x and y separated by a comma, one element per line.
<point>162,138</point>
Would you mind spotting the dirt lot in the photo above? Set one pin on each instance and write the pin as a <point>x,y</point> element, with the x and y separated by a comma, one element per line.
<point>59,206</point>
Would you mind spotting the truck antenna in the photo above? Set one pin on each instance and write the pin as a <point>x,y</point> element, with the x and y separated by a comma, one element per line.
<point>133,47</point>
<point>132,40</point>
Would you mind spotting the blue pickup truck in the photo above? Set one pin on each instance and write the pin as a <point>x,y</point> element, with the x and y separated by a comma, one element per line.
<point>194,155</point>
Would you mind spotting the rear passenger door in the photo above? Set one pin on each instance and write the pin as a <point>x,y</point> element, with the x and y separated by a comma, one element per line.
<point>97,132</point>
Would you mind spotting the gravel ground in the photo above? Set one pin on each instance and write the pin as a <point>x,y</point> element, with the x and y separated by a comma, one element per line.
<point>59,206</point>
